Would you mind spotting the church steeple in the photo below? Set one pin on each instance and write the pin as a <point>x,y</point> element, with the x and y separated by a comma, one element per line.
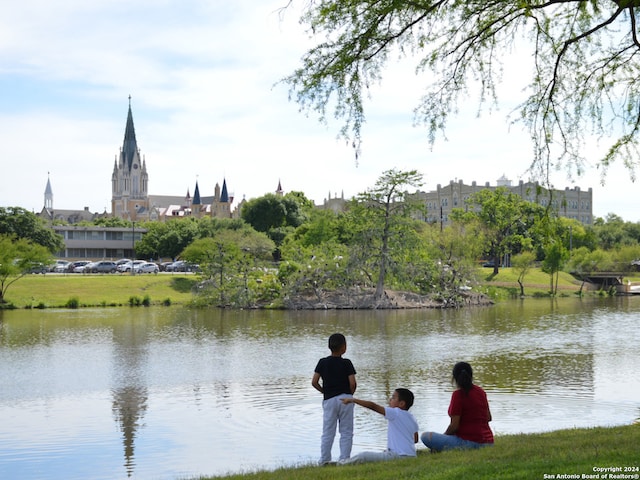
<point>130,180</point>
<point>224,196</point>
<point>196,195</point>
<point>48,195</point>
<point>129,145</point>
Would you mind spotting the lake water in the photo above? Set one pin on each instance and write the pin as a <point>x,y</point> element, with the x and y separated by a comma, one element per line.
<point>167,393</point>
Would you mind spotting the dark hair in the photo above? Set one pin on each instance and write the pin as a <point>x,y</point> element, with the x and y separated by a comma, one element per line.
<point>405,395</point>
<point>463,376</point>
<point>336,341</point>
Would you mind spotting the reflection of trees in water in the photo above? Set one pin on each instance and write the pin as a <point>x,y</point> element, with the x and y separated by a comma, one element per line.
<point>129,407</point>
<point>129,391</point>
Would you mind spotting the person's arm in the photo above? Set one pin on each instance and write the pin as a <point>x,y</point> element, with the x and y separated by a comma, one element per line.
<point>415,437</point>
<point>315,381</point>
<point>352,384</point>
<point>454,424</point>
<point>365,403</point>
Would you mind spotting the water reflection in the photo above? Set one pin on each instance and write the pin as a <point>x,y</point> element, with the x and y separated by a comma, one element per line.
<point>130,391</point>
<point>208,392</point>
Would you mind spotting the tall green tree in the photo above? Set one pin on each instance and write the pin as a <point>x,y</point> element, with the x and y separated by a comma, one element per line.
<point>25,224</point>
<point>227,260</point>
<point>612,232</point>
<point>522,264</point>
<point>167,239</point>
<point>17,257</point>
<point>276,215</point>
<point>454,250</point>
<point>581,54</point>
<point>555,257</point>
<point>507,219</point>
<point>383,226</point>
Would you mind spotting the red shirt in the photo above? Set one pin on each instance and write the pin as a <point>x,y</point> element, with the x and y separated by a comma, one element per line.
<point>473,409</point>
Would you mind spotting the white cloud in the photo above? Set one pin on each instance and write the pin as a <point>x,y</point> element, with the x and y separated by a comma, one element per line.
<point>202,77</point>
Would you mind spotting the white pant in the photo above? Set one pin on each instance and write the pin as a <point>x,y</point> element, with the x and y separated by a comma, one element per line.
<point>335,413</point>
<point>363,457</point>
<point>383,456</point>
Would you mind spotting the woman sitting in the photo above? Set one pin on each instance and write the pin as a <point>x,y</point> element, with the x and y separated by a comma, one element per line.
<point>469,413</point>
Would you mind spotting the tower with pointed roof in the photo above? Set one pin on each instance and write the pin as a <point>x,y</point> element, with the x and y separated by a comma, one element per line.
<point>130,181</point>
<point>221,203</point>
<point>48,195</point>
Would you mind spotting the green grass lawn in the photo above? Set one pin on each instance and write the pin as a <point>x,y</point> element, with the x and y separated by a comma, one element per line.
<point>49,291</point>
<point>52,291</point>
<point>562,454</point>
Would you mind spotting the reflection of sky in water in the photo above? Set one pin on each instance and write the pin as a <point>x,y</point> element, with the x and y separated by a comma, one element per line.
<point>209,392</point>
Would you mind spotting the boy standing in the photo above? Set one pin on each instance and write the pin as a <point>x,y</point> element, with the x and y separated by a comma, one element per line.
<point>338,382</point>
<point>402,433</point>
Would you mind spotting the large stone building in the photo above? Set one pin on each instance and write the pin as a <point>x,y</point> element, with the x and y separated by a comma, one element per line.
<point>571,203</point>
<point>130,198</point>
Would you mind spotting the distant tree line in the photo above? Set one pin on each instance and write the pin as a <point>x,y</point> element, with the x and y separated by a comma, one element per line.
<point>283,247</point>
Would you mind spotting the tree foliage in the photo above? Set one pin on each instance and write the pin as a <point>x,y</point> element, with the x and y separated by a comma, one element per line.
<point>582,54</point>
<point>522,264</point>
<point>227,260</point>
<point>271,212</point>
<point>17,257</point>
<point>556,256</point>
<point>25,224</point>
<point>382,224</point>
<point>508,221</point>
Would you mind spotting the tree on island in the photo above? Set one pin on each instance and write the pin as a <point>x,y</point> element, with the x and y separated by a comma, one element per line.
<point>383,223</point>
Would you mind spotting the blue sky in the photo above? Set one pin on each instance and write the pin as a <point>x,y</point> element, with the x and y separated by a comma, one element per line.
<point>201,75</point>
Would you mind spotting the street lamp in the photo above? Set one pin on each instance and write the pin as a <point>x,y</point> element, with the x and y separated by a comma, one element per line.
<point>133,245</point>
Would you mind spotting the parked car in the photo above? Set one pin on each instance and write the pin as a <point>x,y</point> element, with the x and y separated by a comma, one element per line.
<point>104,266</point>
<point>60,266</point>
<point>38,268</point>
<point>78,267</point>
<point>146,267</point>
<point>163,266</point>
<point>71,268</point>
<point>126,267</point>
<point>182,266</point>
<point>87,267</point>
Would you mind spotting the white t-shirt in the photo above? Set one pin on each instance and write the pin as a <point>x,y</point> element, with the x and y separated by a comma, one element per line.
<point>401,430</point>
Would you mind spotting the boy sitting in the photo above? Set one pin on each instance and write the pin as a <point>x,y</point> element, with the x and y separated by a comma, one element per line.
<point>402,433</point>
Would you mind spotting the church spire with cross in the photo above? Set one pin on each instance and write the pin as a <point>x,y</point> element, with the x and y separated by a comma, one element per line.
<point>129,181</point>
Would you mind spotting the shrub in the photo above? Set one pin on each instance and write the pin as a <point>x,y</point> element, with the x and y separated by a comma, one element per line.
<point>135,301</point>
<point>73,302</point>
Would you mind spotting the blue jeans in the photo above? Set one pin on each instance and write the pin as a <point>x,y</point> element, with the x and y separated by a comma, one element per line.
<point>438,442</point>
<point>336,414</point>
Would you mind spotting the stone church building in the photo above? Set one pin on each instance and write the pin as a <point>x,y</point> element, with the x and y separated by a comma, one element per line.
<point>130,197</point>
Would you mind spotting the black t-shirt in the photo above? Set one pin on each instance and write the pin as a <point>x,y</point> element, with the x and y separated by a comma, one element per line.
<point>335,372</point>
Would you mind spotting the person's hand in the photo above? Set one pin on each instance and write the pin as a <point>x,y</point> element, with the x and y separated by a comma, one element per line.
<point>347,400</point>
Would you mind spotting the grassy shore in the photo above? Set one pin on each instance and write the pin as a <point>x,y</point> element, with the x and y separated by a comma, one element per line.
<point>575,453</point>
<point>52,290</point>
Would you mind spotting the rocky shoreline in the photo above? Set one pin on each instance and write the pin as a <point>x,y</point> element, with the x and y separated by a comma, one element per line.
<point>363,299</point>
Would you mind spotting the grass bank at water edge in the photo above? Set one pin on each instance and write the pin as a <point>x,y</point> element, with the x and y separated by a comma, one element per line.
<point>55,291</point>
<point>597,453</point>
